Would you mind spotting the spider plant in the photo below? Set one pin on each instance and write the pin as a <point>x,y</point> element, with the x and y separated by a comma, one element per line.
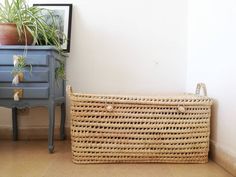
<point>32,19</point>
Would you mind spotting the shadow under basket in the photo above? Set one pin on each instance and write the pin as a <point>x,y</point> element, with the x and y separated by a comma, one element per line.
<point>130,129</point>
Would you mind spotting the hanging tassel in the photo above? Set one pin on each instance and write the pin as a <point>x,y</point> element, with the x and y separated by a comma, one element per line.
<point>15,80</point>
<point>16,96</point>
<point>15,60</point>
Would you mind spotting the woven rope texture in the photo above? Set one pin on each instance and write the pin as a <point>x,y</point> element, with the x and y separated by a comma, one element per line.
<point>125,129</point>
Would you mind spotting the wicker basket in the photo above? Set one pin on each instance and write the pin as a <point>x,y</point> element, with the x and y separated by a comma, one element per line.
<point>124,129</point>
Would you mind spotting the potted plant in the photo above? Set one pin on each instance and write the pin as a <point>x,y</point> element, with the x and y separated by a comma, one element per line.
<point>21,24</point>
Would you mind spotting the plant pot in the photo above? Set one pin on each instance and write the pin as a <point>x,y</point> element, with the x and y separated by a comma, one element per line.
<point>9,35</point>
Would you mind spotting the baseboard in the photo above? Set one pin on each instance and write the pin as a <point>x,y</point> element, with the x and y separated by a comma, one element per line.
<point>223,158</point>
<point>32,133</point>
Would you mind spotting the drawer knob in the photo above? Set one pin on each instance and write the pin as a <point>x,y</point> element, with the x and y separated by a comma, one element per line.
<point>181,109</point>
<point>109,108</point>
<point>17,94</point>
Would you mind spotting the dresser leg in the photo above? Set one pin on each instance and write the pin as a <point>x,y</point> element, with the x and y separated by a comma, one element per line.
<point>63,119</point>
<point>14,124</point>
<point>51,110</point>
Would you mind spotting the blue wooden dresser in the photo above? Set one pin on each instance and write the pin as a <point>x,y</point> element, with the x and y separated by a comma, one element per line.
<point>36,88</point>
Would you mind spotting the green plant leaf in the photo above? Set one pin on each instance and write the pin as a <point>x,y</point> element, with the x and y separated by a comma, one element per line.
<point>32,19</point>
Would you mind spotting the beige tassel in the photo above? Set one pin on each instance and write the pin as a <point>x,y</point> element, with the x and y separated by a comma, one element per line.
<point>15,60</point>
<point>15,80</point>
<point>16,96</point>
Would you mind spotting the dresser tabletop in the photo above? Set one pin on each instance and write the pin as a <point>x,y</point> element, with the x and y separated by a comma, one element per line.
<point>29,47</point>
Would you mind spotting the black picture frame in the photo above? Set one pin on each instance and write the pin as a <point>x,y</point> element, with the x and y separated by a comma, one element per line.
<point>66,17</point>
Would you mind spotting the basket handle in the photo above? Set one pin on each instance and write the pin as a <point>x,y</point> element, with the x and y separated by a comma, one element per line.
<point>69,90</point>
<point>199,87</point>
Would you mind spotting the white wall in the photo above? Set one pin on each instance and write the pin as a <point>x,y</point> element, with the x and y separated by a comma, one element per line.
<point>212,59</point>
<point>123,47</point>
<point>127,46</point>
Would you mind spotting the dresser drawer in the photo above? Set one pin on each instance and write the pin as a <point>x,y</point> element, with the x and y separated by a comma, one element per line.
<point>28,92</point>
<point>35,60</point>
<point>38,74</point>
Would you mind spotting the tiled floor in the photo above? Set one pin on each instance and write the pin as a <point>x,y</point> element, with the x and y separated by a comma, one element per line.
<point>31,159</point>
